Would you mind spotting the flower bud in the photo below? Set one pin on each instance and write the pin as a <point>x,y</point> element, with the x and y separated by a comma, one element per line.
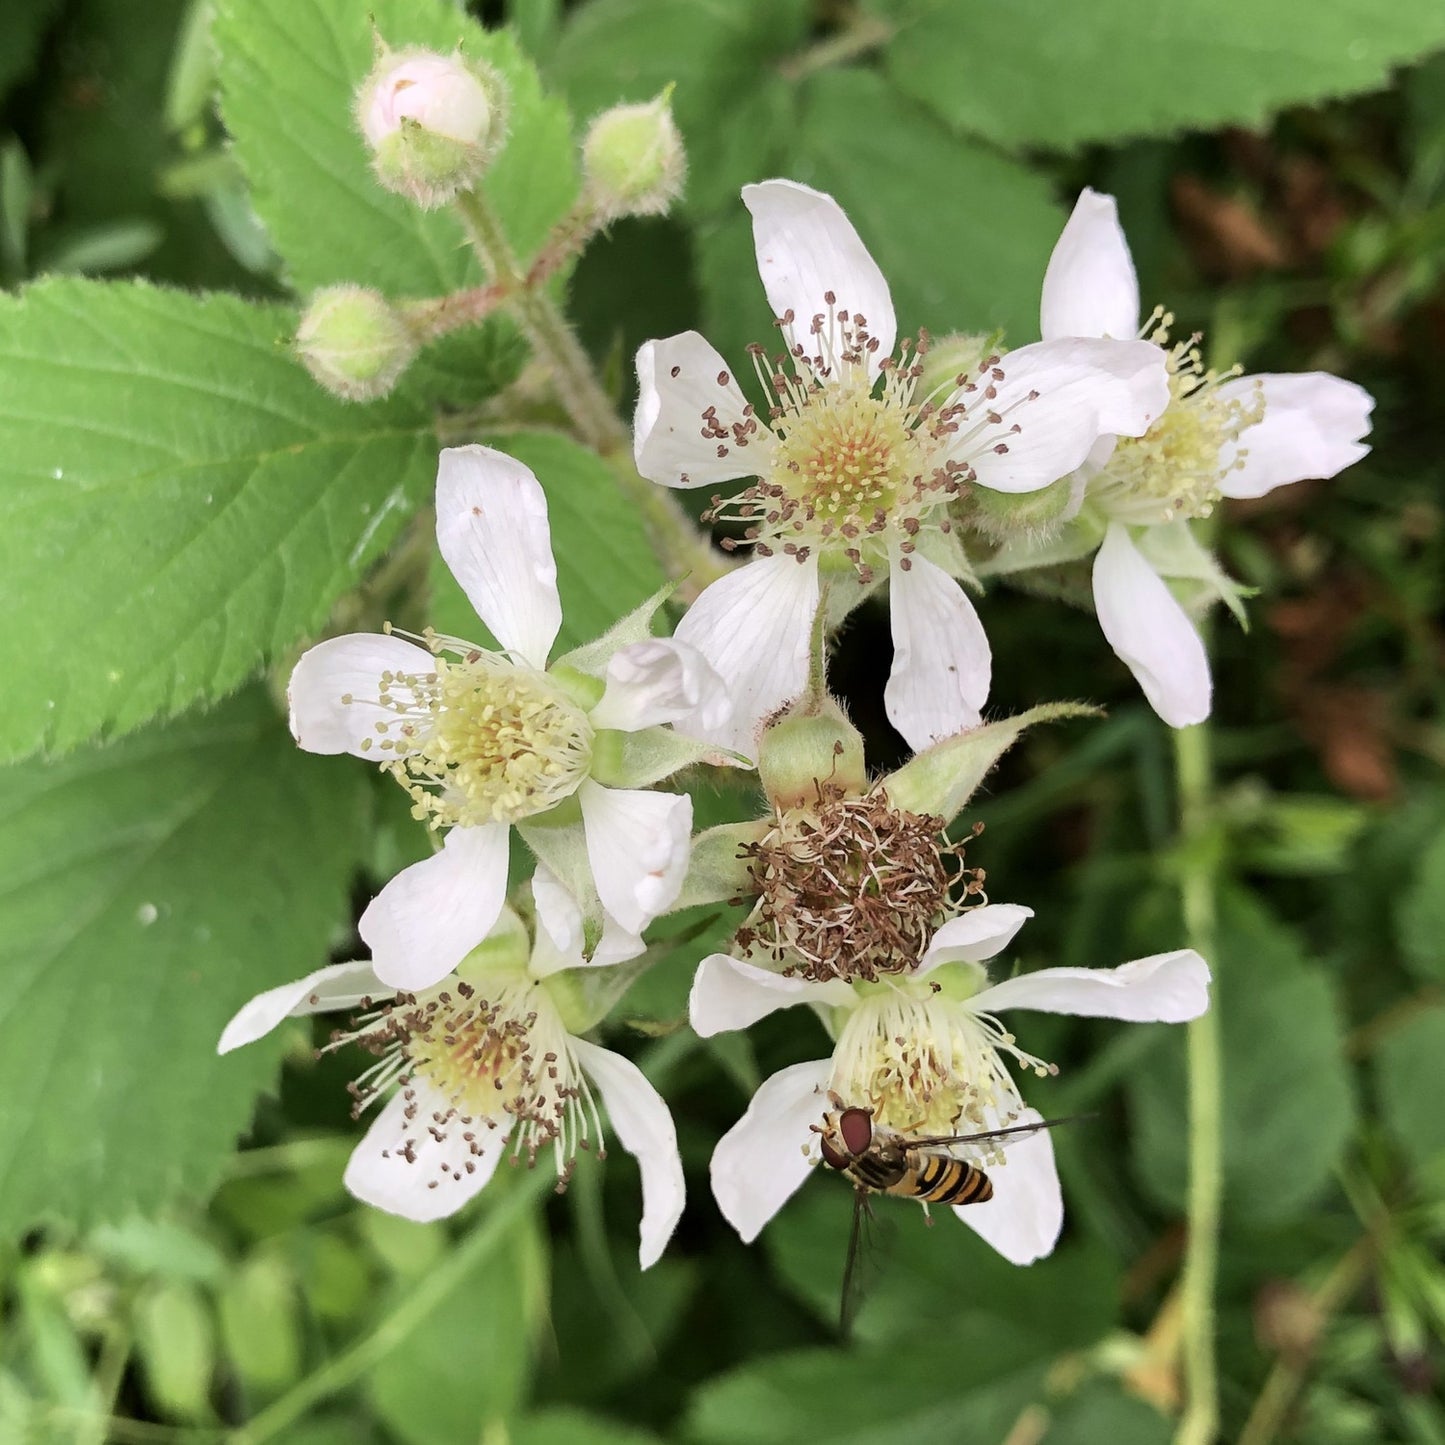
<point>960,353</point>
<point>433,123</point>
<point>354,342</point>
<point>801,752</point>
<point>633,160</point>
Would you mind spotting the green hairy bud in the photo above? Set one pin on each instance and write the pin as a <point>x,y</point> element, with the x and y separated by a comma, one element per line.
<point>633,160</point>
<point>353,341</point>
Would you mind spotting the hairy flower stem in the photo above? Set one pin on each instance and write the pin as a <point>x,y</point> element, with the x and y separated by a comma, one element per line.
<point>1199,1424</point>
<point>682,549</point>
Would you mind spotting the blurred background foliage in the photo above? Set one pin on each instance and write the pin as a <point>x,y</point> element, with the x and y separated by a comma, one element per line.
<point>1280,166</point>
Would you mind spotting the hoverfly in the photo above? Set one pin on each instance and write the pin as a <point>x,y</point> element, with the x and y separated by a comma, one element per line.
<point>880,1161</point>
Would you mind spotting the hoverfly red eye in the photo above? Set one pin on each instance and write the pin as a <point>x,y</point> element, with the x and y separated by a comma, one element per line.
<point>831,1157</point>
<point>856,1128</point>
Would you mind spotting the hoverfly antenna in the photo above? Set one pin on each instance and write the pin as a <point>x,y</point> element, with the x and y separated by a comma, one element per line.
<point>856,1128</point>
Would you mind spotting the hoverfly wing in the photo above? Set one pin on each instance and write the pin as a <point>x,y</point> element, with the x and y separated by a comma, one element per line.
<point>940,1141</point>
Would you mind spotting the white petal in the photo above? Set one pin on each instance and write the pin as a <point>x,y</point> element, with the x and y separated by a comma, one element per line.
<point>754,627</point>
<point>643,1125</point>
<point>807,248</point>
<point>337,986</point>
<point>760,1162</point>
<point>974,936</point>
<point>1062,396</point>
<point>1164,988</point>
<point>617,943</point>
<point>637,846</point>
<point>728,993</point>
<point>1023,1219</point>
<point>941,660</point>
<point>492,529</point>
<point>558,937</point>
<point>1090,288</point>
<point>1312,427</point>
<point>661,681</point>
<point>1151,632</point>
<point>436,1180</point>
<point>432,914</point>
<point>678,379</point>
<point>350,667</point>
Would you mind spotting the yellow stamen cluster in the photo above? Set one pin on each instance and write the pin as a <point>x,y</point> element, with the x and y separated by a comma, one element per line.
<point>926,1063</point>
<point>844,458</point>
<point>481,739</point>
<point>1175,469</point>
<point>467,1057</point>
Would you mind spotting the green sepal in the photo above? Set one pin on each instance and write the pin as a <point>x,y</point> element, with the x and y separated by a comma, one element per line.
<point>592,657</point>
<point>716,870</point>
<point>1177,555</point>
<point>941,779</point>
<point>1078,539</point>
<point>639,759</point>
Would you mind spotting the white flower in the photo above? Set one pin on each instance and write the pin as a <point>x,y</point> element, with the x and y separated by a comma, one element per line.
<point>487,740</point>
<point>928,1055</point>
<point>481,1062</point>
<point>855,467</point>
<point>1220,436</point>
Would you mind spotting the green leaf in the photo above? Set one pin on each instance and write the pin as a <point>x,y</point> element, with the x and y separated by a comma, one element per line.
<point>920,1280</point>
<point>605,566</point>
<point>575,1427</point>
<point>966,253</point>
<point>467,1362</point>
<point>178,500</point>
<point>150,889</point>
<point>289,71</point>
<point>1102,1411</point>
<point>1421,915</point>
<point>1288,1101</point>
<point>1411,1073</point>
<point>1058,74</point>
<point>971,1397</point>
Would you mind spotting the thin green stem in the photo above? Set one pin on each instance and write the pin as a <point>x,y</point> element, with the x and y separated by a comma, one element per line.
<point>1199,1424</point>
<point>681,548</point>
<point>863,33</point>
<point>349,1366</point>
<point>818,651</point>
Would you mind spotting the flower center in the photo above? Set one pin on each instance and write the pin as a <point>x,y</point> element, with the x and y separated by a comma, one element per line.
<point>927,1064</point>
<point>471,1057</point>
<point>846,457</point>
<point>853,888</point>
<point>481,739</point>
<point>1175,468</point>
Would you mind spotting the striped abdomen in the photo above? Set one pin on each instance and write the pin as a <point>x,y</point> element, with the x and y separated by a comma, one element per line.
<point>942,1179</point>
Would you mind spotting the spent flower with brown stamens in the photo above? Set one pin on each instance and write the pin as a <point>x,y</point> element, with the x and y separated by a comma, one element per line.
<point>853,887</point>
